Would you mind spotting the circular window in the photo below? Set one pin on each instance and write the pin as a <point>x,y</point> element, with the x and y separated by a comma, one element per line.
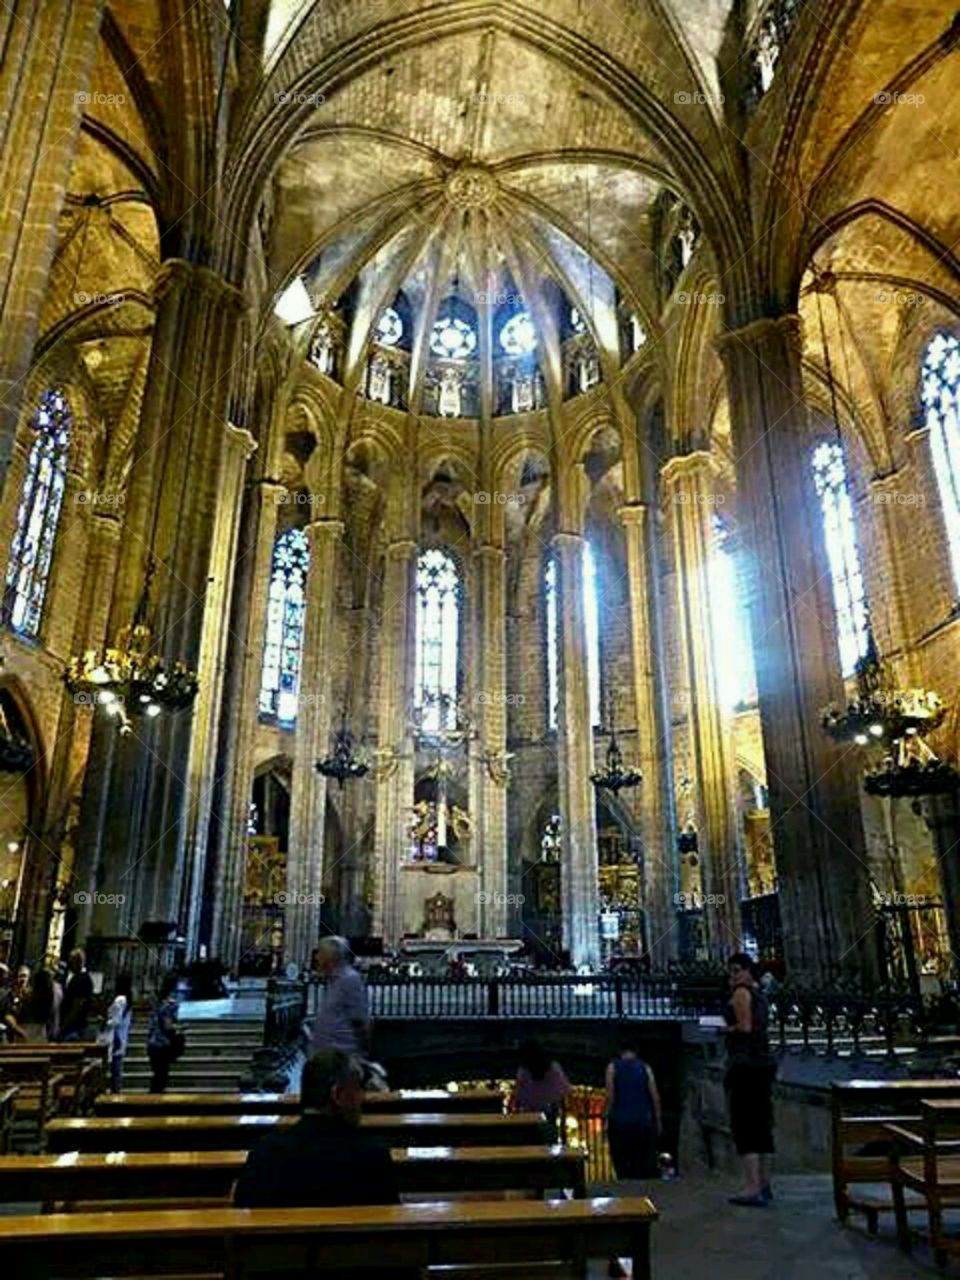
<point>389,328</point>
<point>452,339</point>
<point>518,336</point>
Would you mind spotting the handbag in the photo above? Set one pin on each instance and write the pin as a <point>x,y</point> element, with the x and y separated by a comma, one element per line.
<point>178,1045</point>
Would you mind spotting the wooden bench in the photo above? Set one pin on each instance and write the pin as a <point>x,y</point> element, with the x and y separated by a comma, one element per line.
<point>38,1083</point>
<point>72,1180</point>
<point>233,1133</point>
<point>245,1243</point>
<point>8,1111</point>
<point>436,1101</point>
<point>861,1110</point>
<point>926,1163</point>
<point>80,1065</point>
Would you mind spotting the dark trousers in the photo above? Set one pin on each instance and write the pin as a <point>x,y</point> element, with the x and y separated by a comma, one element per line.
<point>160,1062</point>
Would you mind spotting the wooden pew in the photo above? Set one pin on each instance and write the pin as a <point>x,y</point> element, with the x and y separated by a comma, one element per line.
<point>925,1162</point>
<point>436,1101</point>
<point>38,1083</point>
<point>245,1243</point>
<point>189,1176</point>
<point>861,1110</point>
<point>8,1110</point>
<point>232,1133</point>
<point>81,1066</point>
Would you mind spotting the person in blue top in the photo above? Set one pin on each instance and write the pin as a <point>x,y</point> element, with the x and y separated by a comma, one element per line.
<point>164,1037</point>
<point>634,1121</point>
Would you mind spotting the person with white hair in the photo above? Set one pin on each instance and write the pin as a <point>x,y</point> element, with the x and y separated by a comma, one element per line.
<point>343,1021</point>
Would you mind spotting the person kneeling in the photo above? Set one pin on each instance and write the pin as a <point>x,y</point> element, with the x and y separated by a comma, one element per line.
<point>325,1158</point>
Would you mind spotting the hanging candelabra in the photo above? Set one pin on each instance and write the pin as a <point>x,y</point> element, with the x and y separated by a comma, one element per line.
<point>128,679</point>
<point>615,776</point>
<point>343,764</point>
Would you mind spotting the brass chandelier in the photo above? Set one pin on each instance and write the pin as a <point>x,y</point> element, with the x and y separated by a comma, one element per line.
<point>128,679</point>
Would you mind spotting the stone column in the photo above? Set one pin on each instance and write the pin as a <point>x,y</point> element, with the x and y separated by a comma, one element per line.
<point>579,872</point>
<point>658,848</point>
<point>73,737</point>
<point>139,782</point>
<point>813,782</point>
<point>308,799</point>
<point>241,710</point>
<point>942,816</point>
<point>47,56</point>
<point>394,750</point>
<point>490,683</point>
<point>689,492</point>
<point>238,446</point>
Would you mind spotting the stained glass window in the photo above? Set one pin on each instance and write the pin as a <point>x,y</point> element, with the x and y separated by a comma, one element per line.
<point>733,644</point>
<point>283,645</point>
<point>438,627</point>
<point>592,622</point>
<point>941,400</point>
<point>38,517</point>
<point>453,338</point>
<point>389,328</point>
<point>849,598</point>
<point>518,337</point>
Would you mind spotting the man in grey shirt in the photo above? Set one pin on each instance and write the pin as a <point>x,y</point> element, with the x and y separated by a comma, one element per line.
<point>342,1022</point>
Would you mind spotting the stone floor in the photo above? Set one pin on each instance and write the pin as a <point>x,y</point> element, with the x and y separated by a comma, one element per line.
<point>701,1237</point>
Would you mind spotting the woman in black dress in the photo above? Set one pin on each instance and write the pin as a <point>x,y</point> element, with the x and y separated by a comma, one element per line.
<point>751,1069</point>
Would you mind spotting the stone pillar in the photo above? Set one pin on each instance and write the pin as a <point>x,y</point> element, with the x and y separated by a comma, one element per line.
<point>73,738</point>
<point>942,816</point>
<point>394,749</point>
<point>490,791</point>
<point>47,56</point>
<point>813,783</point>
<point>241,711</point>
<point>660,873</point>
<point>689,490</point>
<point>139,782</point>
<point>308,798</point>
<point>579,873</point>
<point>238,446</point>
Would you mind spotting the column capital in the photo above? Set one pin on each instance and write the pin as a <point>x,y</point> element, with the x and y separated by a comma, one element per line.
<point>179,273</point>
<point>690,466</point>
<point>241,440</point>
<point>401,549</point>
<point>564,541</point>
<point>329,530</point>
<point>633,514</point>
<point>757,330</point>
<point>489,551</point>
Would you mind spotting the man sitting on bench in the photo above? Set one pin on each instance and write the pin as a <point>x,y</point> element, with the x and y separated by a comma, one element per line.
<point>325,1158</point>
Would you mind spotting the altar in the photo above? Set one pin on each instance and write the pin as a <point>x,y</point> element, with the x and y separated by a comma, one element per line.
<point>439,901</point>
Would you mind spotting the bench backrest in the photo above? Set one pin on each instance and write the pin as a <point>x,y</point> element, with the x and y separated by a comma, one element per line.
<point>225,1133</point>
<point>268,1242</point>
<point>474,1101</point>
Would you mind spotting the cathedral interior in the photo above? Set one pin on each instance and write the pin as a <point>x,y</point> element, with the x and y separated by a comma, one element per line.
<point>482,471</point>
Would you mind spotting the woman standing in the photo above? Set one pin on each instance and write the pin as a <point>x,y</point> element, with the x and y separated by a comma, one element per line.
<point>38,1013</point>
<point>164,1039</point>
<point>541,1084</point>
<point>634,1121</point>
<point>116,1029</point>
<point>751,1070</point>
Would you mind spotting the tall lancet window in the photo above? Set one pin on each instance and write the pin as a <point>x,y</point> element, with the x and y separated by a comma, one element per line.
<point>38,516</point>
<point>283,645</point>
<point>849,597</point>
<point>438,634</point>
<point>736,676</point>
<point>591,602</point>
<point>941,400</point>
